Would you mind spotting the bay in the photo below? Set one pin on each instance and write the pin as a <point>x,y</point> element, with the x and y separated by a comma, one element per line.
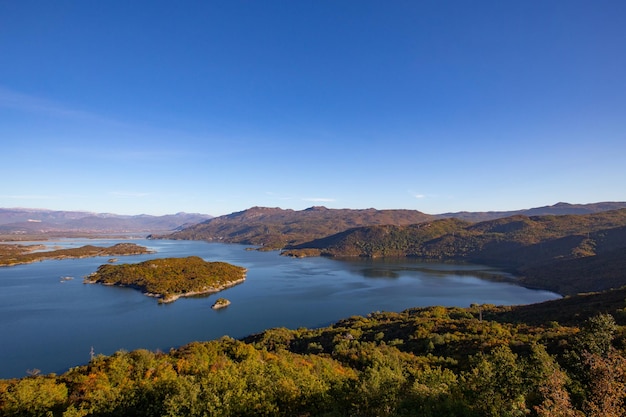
<point>51,321</point>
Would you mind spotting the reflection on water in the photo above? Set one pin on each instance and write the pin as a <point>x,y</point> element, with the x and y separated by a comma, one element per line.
<point>50,324</point>
<point>379,273</point>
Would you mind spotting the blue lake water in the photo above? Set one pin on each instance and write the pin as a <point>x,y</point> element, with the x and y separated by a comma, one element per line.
<point>51,324</point>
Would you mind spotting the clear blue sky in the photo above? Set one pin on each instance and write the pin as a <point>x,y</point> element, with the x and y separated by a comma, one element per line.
<point>158,107</point>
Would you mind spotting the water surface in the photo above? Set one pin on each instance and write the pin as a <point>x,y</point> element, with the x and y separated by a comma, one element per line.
<point>51,323</point>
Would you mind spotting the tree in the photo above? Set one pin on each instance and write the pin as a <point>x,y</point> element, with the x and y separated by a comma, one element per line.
<point>607,389</point>
<point>34,396</point>
<point>546,374</point>
<point>494,386</point>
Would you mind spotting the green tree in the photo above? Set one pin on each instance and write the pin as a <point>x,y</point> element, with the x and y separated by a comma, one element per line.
<point>552,397</point>
<point>495,385</point>
<point>34,396</point>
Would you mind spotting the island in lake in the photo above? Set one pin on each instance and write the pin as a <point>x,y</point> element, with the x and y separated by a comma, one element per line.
<point>220,303</point>
<point>24,254</point>
<point>171,278</point>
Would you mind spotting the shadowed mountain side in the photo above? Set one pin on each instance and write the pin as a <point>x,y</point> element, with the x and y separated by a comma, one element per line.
<point>567,311</point>
<point>381,241</point>
<point>592,273</point>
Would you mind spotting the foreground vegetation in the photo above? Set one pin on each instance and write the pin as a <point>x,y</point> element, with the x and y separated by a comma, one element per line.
<point>15,254</point>
<point>171,278</point>
<point>477,361</point>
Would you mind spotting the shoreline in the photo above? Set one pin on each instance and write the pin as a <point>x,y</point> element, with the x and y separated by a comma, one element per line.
<point>208,291</point>
<point>171,298</point>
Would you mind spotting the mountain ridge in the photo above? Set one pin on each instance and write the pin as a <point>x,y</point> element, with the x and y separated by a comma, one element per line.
<point>275,228</point>
<point>25,221</point>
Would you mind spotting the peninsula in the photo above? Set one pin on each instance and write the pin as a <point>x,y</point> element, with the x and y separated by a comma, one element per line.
<point>24,254</point>
<point>171,278</point>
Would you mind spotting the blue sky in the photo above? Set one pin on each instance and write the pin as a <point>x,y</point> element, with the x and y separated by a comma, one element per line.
<point>158,107</point>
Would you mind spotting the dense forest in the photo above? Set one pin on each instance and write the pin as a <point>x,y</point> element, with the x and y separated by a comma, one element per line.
<point>170,278</point>
<point>478,361</point>
<point>567,254</point>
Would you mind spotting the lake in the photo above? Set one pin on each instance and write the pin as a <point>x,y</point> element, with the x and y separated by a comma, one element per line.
<point>50,320</point>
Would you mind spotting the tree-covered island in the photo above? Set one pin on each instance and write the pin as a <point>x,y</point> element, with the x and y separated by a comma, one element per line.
<point>11,255</point>
<point>171,278</point>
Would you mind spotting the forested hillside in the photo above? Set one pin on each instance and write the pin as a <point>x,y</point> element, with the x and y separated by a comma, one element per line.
<point>274,228</point>
<point>568,254</point>
<point>477,361</point>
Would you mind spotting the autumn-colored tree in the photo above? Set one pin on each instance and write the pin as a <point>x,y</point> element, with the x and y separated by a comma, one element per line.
<point>607,388</point>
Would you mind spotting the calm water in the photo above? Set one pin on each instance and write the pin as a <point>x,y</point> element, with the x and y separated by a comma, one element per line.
<point>51,324</point>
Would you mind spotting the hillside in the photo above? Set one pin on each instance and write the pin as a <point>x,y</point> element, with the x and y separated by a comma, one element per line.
<point>275,228</point>
<point>16,222</point>
<point>478,361</point>
<point>568,254</point>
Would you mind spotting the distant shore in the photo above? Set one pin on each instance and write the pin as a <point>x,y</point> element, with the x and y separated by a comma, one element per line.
<point>23,254</point>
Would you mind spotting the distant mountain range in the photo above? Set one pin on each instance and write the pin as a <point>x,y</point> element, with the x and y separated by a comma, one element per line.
<point>271,227</point>
<point>555,210</point>
<point>23,221</point>
<point>275,228</point>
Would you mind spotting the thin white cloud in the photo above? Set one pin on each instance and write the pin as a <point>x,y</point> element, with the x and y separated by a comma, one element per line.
<point>23,102</point>
<point>119,140</point>
<point>419,196</point>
